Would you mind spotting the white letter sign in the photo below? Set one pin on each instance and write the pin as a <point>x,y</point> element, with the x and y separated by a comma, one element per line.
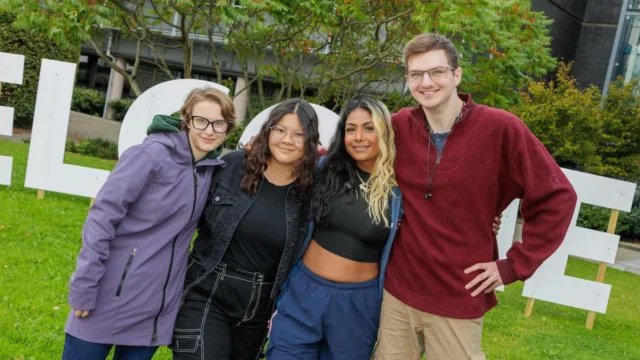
<point>11,71</point>
<point>46,169</point>
<point>549,283</point>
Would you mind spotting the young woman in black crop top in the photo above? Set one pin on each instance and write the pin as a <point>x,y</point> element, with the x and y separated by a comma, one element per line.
<point>329,308</point>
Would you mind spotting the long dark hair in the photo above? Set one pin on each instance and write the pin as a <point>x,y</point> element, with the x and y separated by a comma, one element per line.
<point>256,159</point>
<point>338,172</point>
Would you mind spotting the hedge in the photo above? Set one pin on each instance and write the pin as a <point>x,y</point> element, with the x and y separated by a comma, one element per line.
<point>23,97</point>
<point>88,101</point>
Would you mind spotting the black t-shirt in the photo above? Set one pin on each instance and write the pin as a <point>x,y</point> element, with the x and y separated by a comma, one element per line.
<point>349,231</point>
<point>259,240</point>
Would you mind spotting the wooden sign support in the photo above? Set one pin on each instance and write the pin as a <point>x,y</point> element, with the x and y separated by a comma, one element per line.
<point>602,268</point>
<point>529,309</point>
<point>40,194</point>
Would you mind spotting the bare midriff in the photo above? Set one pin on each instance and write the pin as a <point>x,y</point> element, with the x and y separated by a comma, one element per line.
<point>336,268</point>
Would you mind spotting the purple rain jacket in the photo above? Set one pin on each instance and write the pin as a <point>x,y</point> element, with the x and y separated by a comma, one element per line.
<point>135,243</point>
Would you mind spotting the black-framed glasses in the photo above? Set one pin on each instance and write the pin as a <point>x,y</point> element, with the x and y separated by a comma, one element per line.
<point>279,132</point>
<point>435,73</point>
<point>201,123</point>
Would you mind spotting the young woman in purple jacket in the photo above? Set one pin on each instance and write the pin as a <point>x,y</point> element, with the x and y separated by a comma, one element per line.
<point>130,271</point>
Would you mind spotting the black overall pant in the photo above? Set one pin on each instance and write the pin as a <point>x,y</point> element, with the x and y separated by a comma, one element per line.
<point>223,315</point>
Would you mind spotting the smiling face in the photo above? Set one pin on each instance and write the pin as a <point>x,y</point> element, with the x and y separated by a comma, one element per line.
<point>433,93</point>
<point>204,141</point>
<point>287,140</point>
<point>361,139</point>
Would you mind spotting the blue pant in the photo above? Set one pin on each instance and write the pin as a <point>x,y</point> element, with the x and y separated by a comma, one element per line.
<point>76,349</point>
<point>322,319</point>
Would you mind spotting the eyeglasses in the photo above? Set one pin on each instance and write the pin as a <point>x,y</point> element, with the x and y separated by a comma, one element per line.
<point>279,132</point>
<point>201,123</point>
<point>436,73</point>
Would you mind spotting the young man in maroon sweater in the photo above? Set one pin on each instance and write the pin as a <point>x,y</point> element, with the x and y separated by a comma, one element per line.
<point>458,164</point>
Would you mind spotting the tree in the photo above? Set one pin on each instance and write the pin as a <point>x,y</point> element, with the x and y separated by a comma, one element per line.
<point>23,97</point>
<point>342,49</point>
<point>74,22</point>
<point>328,50</point>
<point>503,45</point>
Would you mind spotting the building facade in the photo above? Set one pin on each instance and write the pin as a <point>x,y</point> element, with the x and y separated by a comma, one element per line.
<point>600,37</point>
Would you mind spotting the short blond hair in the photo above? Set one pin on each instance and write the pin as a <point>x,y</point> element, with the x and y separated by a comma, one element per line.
<point>208,94</point>
<point>428,42</point>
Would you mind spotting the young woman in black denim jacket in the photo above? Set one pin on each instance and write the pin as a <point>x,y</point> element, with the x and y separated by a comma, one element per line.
<point>249,235</point>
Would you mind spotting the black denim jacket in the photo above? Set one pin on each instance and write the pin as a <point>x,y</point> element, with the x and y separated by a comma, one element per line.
<point>227,204</point>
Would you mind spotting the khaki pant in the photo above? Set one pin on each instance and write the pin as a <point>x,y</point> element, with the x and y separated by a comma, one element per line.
<point>406,333</point>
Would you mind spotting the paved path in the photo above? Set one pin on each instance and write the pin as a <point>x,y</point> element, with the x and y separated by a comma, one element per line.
<point>82,126</point>
<point>628,258</point>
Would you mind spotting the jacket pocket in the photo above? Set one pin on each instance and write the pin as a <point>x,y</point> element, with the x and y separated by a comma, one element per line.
<point>126,269</point>
<point>221,201</point>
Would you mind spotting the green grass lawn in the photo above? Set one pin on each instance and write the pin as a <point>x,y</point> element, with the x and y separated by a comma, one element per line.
<point>39,240</point>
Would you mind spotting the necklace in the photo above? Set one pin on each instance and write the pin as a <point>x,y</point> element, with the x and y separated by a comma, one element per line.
<point>363,185</point>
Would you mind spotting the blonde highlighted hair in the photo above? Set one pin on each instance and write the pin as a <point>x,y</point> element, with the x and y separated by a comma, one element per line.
<point>208,94</point>
<point>338,170</point>
<point>382,181</point>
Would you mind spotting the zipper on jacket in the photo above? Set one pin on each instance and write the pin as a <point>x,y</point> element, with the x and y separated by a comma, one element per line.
<point>154,337</point>
<point>126,269</point>
<point>438,157</point>
<point>195,191</point>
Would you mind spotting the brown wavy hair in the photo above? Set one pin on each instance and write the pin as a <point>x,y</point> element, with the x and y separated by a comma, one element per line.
<point>257,158</point>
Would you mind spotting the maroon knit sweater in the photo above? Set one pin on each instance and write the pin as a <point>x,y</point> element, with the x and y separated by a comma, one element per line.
<point>489,159</point>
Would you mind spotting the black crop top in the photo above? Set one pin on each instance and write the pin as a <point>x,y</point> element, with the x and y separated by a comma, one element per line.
<point>349,231</point>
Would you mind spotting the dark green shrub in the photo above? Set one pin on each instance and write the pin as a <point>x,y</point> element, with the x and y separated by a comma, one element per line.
<point>88,101</point>
<point>597,218</point>
<point>23,97</point>
<point>120,107</point>
<point>594,217</point>
<point>231,142</point>
<point>629,225</point>
<point>94,147</point>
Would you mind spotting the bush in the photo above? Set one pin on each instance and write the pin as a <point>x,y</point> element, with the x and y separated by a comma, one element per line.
<point>94,147</point>
<point>120,108</point>
<point>594,217</point>
<point>597,218</point>
<point>23,97</point>
<point>231,142</point>
<point>567,120</point>
<point>629,226</point>
<point>581,134</point>
<point>88,101</point>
